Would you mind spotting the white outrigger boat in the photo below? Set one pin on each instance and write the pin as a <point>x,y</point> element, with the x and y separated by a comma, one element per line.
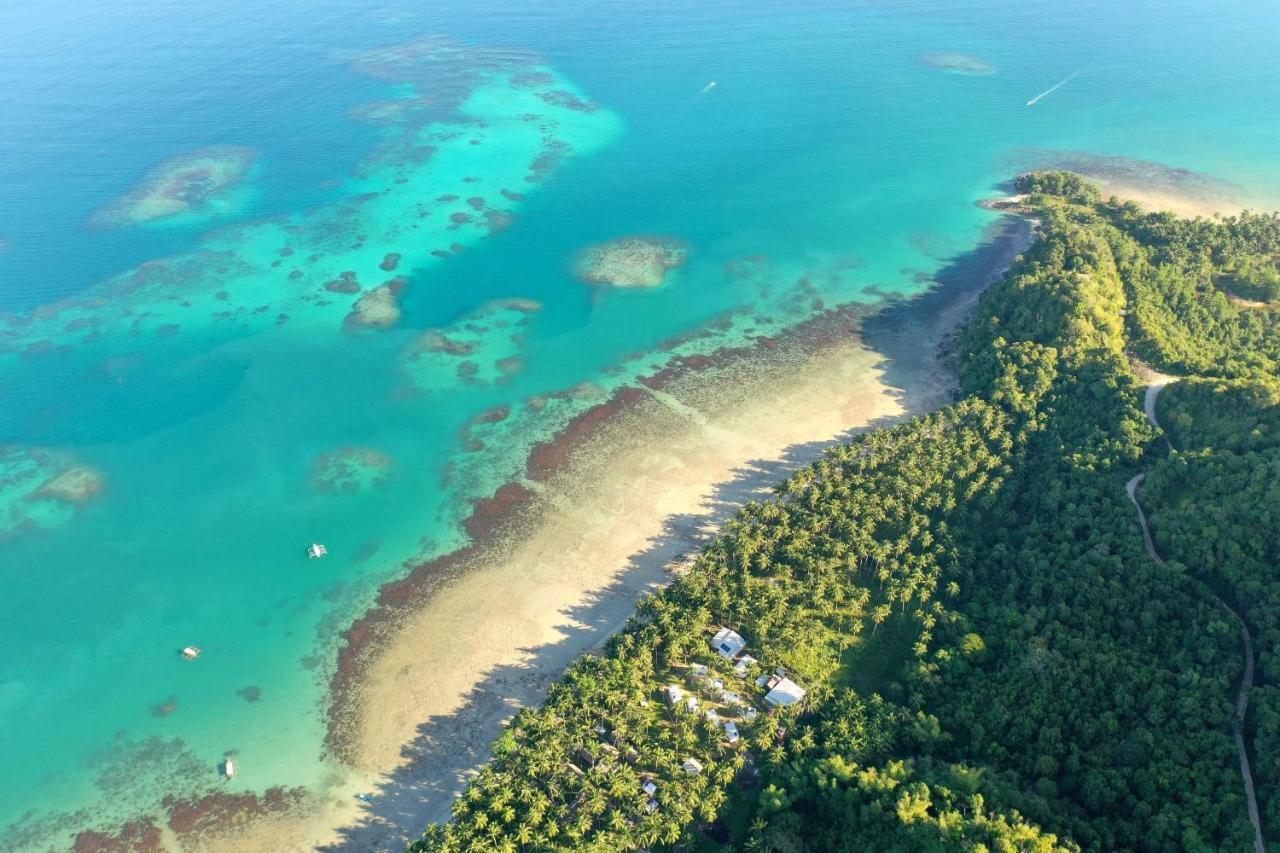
<point>228,767</point>
<point>316,551</point>
<point>191,653</point>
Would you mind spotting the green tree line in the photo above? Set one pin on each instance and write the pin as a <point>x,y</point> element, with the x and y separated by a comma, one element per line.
<point>992,662</point>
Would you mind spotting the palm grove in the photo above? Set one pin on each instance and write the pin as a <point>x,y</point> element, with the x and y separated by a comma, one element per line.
<point>992,660</point>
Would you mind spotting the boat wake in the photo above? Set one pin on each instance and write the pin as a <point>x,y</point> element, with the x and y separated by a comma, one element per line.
<point>1047,92</point>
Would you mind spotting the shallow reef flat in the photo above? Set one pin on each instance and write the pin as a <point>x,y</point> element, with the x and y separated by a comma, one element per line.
<point>468,135</point>
<point>775,296</point>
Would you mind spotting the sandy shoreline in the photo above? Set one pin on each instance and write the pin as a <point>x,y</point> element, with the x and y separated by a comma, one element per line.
<point>560,559</point>
<point>1155,187</point>
<point>1188,207</point>
<point>675,458</point>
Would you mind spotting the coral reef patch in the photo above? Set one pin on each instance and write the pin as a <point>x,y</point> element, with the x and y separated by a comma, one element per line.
<point>76,484</point>
<point>958,63</point>
<point>481,348</point>
<point>347,470</point>
<point>181,184</point>
<point>631,261</point>
<point>41,489</point>
<point>379,308</point>
<point>136,836</point>
<point>398,212</point>
<point>191,819</point>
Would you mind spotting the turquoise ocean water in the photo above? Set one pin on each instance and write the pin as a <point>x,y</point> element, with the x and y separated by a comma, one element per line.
<point>209,388</point>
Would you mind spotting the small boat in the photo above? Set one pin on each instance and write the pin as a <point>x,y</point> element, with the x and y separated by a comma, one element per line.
<point>191,653</point>
<point>228,767</point>
<point>316,551</point>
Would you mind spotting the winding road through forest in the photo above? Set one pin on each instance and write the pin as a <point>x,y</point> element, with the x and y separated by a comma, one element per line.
<point>1157,384</point>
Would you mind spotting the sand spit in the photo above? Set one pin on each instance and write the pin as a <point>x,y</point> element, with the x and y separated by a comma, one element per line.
<point>1153,186</point>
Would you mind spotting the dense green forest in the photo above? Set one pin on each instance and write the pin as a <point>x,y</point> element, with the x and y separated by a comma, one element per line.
<point>992,661</point>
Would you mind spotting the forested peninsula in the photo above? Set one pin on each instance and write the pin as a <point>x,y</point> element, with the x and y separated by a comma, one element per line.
<point>988,656</point>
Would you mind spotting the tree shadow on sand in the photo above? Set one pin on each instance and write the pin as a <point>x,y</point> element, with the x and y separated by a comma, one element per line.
<point>449,749</point>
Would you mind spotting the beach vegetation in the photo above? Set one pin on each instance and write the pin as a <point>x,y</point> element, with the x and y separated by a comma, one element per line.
<point>992,659</point>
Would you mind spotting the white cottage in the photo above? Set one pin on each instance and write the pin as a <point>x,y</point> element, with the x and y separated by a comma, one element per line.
<point>692,766</point>
<point>783,691</point>
<point>728,643</point>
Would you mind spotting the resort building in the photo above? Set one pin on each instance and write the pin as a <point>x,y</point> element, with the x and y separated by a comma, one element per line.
<point>728,643</point>
<point>673,694</point>
<point>692,766</point>
<point>782,691</point>
<point>744,664</point>
<point>731,731</point>
<point>650,787</point>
